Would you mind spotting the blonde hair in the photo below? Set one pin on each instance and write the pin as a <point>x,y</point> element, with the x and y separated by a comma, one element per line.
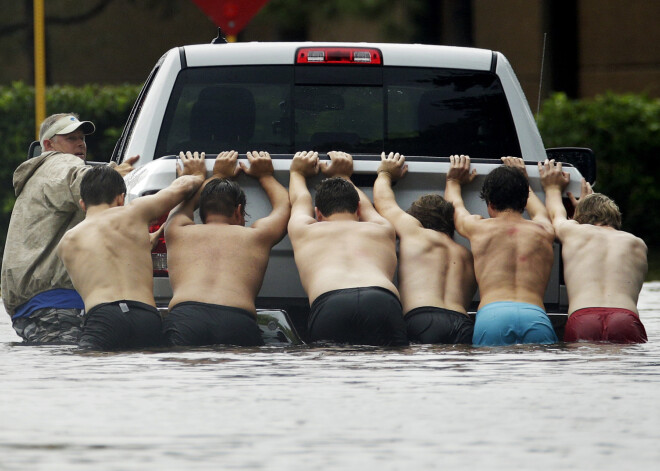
<point>599,210</point>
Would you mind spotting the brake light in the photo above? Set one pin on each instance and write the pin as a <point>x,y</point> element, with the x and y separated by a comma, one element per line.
<point>159,251</point>
<point>339,55</point>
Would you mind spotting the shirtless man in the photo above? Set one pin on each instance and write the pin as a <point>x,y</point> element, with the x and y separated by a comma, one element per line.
<point>346,257</point>
<point>512,255</point>
<point>436,275</point>
<point>604,267</point>
<point>108,257</point>
<point>216,268</point>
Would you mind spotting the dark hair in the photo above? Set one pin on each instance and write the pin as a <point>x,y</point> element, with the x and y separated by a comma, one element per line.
<point>336,195</point>
<point>598,209</point>
<point>221,196</point>
<point>506,188</point>
<point>101,185</point>
<point>434,212</point>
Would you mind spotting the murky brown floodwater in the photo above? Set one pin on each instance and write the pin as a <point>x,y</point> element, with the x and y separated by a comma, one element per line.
<point>568,406</point>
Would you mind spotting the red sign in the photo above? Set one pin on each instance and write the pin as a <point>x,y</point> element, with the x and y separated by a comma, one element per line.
<point>231,15</point>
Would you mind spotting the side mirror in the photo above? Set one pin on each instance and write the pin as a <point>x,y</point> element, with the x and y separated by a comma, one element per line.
<point>34,150</point>
<point>579,157</point>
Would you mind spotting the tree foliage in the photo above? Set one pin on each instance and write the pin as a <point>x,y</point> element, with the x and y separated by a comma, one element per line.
<point>624,133</point>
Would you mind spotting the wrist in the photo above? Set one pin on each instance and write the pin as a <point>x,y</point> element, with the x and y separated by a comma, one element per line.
<point>265,176</point>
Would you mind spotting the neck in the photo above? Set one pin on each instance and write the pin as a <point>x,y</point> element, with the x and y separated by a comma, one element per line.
<point>96,209</point>
<point>507,213</point>
<point>221,219</point>
<point>604,226</point>
<point>341,217</point>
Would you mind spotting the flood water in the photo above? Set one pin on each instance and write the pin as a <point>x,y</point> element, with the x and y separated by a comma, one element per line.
<point>568,406</point>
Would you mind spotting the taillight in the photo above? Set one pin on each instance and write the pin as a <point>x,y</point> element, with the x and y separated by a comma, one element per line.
<point>339,55</point>
<point>159,251</point>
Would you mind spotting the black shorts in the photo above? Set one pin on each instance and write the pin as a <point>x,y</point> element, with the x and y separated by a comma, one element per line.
<point>193,323</point>
<point>122,324</point>
<point>358,316</point>
<point>429,324</point>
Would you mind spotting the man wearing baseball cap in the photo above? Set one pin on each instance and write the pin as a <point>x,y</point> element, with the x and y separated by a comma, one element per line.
<point>36,289</point>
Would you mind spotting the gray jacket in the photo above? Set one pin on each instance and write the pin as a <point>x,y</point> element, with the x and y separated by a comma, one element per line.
<point>47,205</point>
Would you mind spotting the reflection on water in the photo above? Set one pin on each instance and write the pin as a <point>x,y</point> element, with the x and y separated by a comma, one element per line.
<point>568,406</point>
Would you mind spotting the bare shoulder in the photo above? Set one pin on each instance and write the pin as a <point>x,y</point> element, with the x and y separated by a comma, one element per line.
<point>384,227</point>
<point>566,227</point>
<point>65,241</point>
<point>300,224</point>
<point>634,241</point>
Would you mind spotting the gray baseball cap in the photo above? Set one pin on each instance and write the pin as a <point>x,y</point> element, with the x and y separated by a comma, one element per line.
<point>65,125</point>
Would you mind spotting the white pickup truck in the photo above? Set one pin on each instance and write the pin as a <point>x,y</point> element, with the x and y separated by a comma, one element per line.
<point>426,102</point>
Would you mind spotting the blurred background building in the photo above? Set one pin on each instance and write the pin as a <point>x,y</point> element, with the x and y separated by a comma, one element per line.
<point>591,46</point>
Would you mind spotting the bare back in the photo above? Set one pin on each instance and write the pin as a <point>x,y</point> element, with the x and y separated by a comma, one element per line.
<point>217,264</point>
<point>512,259</point>
<point>108,258</point>
<point>603,267</point>
<point>333,255</point>
<point>435,271</point>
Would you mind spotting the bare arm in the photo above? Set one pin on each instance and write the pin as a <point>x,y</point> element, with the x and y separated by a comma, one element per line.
<point>126,166</point>
<point>304,164</point>
<point>392,168</point>
<point>459,174</point>
<point>585,189</point>
<point>261,168</point>
<point>554,182</point>
<point>535,207</point>
<point>182,215</point>
<point>225,166</point>
<point>341,165</point>
<point>184,187</point>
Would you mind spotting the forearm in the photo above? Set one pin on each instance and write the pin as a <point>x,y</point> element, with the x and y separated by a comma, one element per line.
<point>453,193</point>
<point>535,207</point>
<point>554,203</point>
<point>276,193</point>
<point>186,186</point>
<point>299,195</point>
<point>383,194</point>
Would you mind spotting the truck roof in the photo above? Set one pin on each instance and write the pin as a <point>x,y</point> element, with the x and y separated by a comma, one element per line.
<point>409,55</point>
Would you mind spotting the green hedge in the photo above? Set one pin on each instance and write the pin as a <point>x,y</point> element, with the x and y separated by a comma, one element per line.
<point>624,133</point>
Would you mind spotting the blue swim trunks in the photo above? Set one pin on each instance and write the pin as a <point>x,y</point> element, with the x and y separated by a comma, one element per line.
<point>508,323</point>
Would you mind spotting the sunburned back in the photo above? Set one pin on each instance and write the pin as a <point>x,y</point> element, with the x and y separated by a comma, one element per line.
<point>435,271</point>
<point>217,264</point>
<point>603,267</point>
<point>109,259</point>
<point>512,259</point>
<point>344,254</point>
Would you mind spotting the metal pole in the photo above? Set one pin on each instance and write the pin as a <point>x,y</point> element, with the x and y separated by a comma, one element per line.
<point>39,65</point>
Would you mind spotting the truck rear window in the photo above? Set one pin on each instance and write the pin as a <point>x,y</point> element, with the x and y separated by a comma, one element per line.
<point>357,109</point>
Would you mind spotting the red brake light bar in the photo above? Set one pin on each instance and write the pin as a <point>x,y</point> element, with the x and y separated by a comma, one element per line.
<point>339,55</point>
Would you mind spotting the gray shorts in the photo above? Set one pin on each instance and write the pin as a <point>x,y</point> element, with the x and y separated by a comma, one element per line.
<point>50,325</point>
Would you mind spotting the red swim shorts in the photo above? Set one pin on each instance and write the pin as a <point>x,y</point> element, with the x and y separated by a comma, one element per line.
<point>608,324</point>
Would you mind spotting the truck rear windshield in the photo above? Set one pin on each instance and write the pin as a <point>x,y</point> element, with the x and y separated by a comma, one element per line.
<point>357,109</point>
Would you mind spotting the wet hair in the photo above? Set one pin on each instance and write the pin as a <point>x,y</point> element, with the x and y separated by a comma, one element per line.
<point>434,212</point>
<point>506,188</point>
<point>221,196</point>
<point>598,209</point>
<point>336,195</point>
<point>48,122</point>
<point>101,185</point>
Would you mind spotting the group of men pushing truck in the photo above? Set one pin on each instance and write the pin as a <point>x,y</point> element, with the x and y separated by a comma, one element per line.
<point>99,292</point>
